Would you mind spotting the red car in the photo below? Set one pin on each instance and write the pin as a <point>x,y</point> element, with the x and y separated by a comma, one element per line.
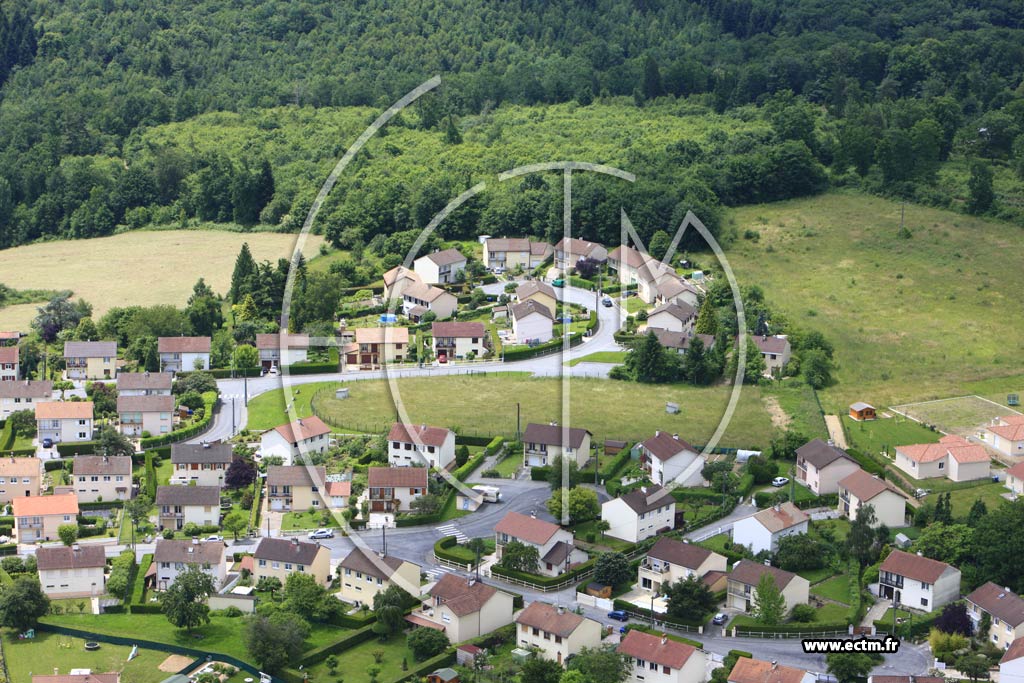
<point>442,358</point>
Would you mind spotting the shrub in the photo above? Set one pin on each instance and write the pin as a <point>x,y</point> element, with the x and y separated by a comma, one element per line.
<point>426,643</point>
<point>803,614</point>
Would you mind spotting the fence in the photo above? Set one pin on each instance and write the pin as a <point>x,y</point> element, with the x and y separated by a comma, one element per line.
<point>712,533</point>
<point>737,632</point>
<point>150,645</point>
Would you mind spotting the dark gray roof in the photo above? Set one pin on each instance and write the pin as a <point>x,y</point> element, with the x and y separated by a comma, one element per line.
<point>359,561</point>
<point>551,434</point>
<point>286,550</point>
<point>821,454</point>
<point>143,380</point>
<point>641,501</point>
<point>24,388</point>
<point>90,349</point>
<point>99,464</point>
<point>154,403</point>
<point>189,552</point>
<point>74,557</point>
<point>187,453</point>
<point>295,475</point>
<point>188,495</point>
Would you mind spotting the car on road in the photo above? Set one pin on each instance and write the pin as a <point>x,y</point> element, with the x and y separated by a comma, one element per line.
<point>618,615</point>
<point>558,283</point>
<point>606,302</point>
<point>321,533</point>
<point>719,619</point>
<point>214,538</point>
<point>780,481</point>
<point>47,443</point>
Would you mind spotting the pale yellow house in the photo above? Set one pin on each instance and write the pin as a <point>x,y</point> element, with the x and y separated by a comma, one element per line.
<point>1005,434</point>
<point>554,632</point>
<point>138,415</point>
<point>660,659</point>
<point>179,505</point>
<point>776,352</point>
<point>555,546</point>
<point>37,518</point>
<point>539,291</point>
<point>463,608</point>
<point>279,557</point>
<point>100,477</point>
<point>1006,613</point>
<point>742,585</point>
<point>861,488</point>
<point>670,560</point>
<point>90,359</point>
<point>20,477</point>
<point>72,572</point>
<point>397,280</point>
<point>294,487</point>
<point>363,575</point>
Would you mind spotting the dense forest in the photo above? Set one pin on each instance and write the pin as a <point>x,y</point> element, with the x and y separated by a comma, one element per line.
<point>913,98</point>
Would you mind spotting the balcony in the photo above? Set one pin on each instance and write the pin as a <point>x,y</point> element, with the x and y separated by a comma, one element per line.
<point>887,579</point>
<point>660,569</point>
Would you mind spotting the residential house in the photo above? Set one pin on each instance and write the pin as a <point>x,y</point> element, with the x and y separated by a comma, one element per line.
<point>918,582</point>
<point>1005,610</point>
<point>102,478</point>
<point>36,518</point>
<point>375,346</point>
<point>440,267</point>
<point>90,359</point>
<point>673,317</point>
<point>747,670</point>
<point>172,558</point>
<point>393,489</point>
<point>676,290</point>
<point>418,298</point>
<point>179,505</point>
<point>9,364</point>
<point>1015,479</point>
<point>861,488</point>
<point>279,557</point>
<point>396,281</point>
<point>554,632</point>
<point>627,261</point>
<point>282,349</point>
<point>532,322</point>
<point>555,546</point>
<point>1005,434</point>
<point>459,339</point>
<point>1011,666</point>
<point>568,252</point>
<point>20,477</point>
<point>509,253</point>
<point>667,458</point>
<point>23,395</point>
<point>364,574</point>
<point>763,530</point>
<point>289,441</point>
<point>669,561</point>
<point>540,292</point>
<point>659,283</point>
<point>907,679</point>
<point>64,421</point>
<point>744,577</point>
<point>145,414</point>
<point>295,487</point>
<point>640,514</point>
<point>680,342</point>
<point>420,445</point>
<point>542,443</point>
<point>144,383</point>
<point>205,463</point>
<point>776,352</point>
<point>74,571</point>
<point>338,493</point>
<point>861,411</point>
<point>463,608</point>
<point>821,466</point>
<point>660,659</point>
<point>183,354</point>
<point>953,457</point>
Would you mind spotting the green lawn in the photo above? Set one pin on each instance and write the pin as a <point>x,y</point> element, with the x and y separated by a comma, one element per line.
<point>796,400</point>
<point>485,405</point>
<point>837,588</point>
<point>466,555</point>
<point>897,310</point>
<point>600,357</point>
<point>831,613</point>
<point>581,530</point>
<point>354,662</point>
<point>267,410</point>
<point>963,499</point>
<point>885,434</point>
<point>48,651</point>
<point>222,634</point>
<point>815,575</point>
<point>634,304</point>
<point>840,527</point>
<point>304,520</point>
<point>510,464</point>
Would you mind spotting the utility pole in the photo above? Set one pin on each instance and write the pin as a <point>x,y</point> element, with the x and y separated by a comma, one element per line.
<point>384,535</point>
<point>518,433</point>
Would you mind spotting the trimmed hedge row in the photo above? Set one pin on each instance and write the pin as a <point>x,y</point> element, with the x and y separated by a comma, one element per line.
<point>351,640</point>
<point>538,473</point>
<point>9,549</point>
<point>446,658</point>
<point>575,339</point>
<point>764,499</point>
<point>441,550</point>
<point>544,580</point>
<point>793,628</point>
<point>146,609</point>
<point>188,432</point>
<point>224,373</point>
<point>312,368</point>
<point>138,593</point>
<point>866,462</point>
<point>80,448</point>
<point>646,614</point>
<point>695,495</point>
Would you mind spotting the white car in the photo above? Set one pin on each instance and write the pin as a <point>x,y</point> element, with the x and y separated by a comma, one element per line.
<point>779,481</point>
<point>214,538</point>
<point>321,533</point>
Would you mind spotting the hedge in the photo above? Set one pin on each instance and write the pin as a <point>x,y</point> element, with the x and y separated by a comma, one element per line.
<point>311,368</point>
<point>921,625</point>
<point>224,373</point>
<point>6,437</point>
<point>446,658</point>
<point>145,609</point>
<point>351,640</point>
<point>745,485</point>
<point>79,448</point>
<point>9,549</point>
<point>619,462</point>
<point>210,400</point>
<point>494,445</point>
<point>793,628</point>
<point>575,339</point>
<point>544,580</point>
<point>150,472</point>
<point>138,593</point>
<point>53,465</point>
<point>695,495</point>
<point>658,616</point>
<point>540,473</point>
<point>463,472</point>
<point>441,550</point>
<point>96,505</point>
<point>866,462</point>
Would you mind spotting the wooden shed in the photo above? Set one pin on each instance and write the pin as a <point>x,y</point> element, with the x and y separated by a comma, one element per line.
<point>861,411</point>
<point>599,590</point>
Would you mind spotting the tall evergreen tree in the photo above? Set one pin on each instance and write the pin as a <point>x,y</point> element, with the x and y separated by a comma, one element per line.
<point>243,274</point>
<point>707,320</point>
<point>981,196</point>
<point>652,81</point>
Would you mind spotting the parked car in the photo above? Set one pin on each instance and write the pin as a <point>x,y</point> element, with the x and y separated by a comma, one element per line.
<point>442,358</point>
<point>618,615</point>
<point>780,481</point>
<point>499,270</point>
<point>558,283</point>
<point>47,443</point>
<point>719,619</point>
<point>606,302</point>
<point>214,538</point>
<point>321,533</point>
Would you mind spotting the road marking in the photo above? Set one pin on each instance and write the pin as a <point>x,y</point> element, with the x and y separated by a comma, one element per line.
<point>452,530</point>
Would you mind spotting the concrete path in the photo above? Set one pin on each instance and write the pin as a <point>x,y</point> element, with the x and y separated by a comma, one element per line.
<point>876,612</point>
<point>835,430</point>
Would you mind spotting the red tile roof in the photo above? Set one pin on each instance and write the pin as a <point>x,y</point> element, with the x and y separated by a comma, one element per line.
<point>8,354</point>
<point>660,650</point>
<point>865,486</point>
<point>38,506</point>
<point>956,447</point>
<point>526,528</point>
<point>291,341</point>
<point>664,446</point>
<point>339,488</point>
<point>1013,429</point>
<point>302,429</point>
<point>64,410</point>
<point>787,515</point>
<point>1015,651</point>
<point>914,566</point>
<point>1017,470</point>
<point>462,596</point>
<point>549,618</point>
<point>418,434</point>
<point>395,477</point>
<point>759,671</point>
<point>457,329</point>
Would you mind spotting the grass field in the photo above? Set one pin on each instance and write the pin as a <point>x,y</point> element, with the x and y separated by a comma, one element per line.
<point>599,357</point>
<point>267,410</point>
<point>355,661</point>
<point>885,434</point>
<point>963,499</point>
<point>485,405</point>
<point>121,270</point>
<point>956,415</point>
<point>911,319</point>
<point>837,588</point>
<point>47,651</point>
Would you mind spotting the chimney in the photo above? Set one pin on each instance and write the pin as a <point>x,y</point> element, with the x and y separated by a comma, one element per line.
<point>657,432</point>
<point>778,507</point>
<point>767,562</point>
<point>920,554</point>
<point>146,374</point>
<point>470,582</point>
<point>643,490</point>
<point>106,458</point>
<point>554,423</point>
<point>676,437</point>
<point>775,665</point>
<point>561,609</point>
<point>295,541</point>
<point>191,549</point>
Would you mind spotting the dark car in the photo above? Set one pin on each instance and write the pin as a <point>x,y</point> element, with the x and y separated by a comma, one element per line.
<point>607,302</point>
<point>618,615</point>
<point>47,443</point>
<point>719,619</point>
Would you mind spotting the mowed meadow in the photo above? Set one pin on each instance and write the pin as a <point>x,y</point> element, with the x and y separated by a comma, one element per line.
<point>913,318</point>
<point>134,268</point>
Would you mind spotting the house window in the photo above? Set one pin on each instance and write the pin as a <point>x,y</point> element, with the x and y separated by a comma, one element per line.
<point>263,563</point>
<point>925,586</point>
<point>942,465</point>
<point>924,602</point>
<point>288,565</point>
